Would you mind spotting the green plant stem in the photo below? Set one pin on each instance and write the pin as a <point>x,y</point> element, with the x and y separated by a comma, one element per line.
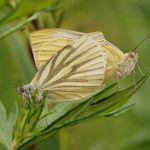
<point>19,26</point>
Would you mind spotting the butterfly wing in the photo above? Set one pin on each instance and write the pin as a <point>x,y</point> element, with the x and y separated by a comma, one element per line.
<point>75,72</point>
<point>115,57</point>
<point>46,42</point>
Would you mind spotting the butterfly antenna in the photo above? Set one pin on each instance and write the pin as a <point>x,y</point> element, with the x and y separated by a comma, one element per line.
<point>7,85</point>
<point>7,88</point>
<point>141,43</point>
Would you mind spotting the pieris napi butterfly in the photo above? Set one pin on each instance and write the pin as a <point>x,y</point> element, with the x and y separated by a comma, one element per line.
<point>73,65</point>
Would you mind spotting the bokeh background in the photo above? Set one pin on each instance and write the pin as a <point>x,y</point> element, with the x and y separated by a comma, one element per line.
<point>125,23</point>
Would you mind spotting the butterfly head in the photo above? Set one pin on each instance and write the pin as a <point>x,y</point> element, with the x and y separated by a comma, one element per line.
<point>26,91</point>
<point>133,57</point>
<point>128,65</point>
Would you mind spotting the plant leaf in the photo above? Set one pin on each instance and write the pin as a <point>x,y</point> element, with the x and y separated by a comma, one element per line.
<point>60,112</point>
<point>113,102</point>
<point>19,25</point>
<point>63,109</point>
<point>98,105</point>
<point>27,7</point>
<point>103,106</point>
<point>6,126</point>
<point>3,139</point>
<point>119,111</point>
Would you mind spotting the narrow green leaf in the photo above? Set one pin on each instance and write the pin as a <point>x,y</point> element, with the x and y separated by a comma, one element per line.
<point>108,104</point>
<point>119,111</point>
<point>27,7</point>
<point>101,107</point>
<point>6,125</point>
<point>18,26</point>
<point>3,139</point>
<point>113,102</point>
<point>61,111</point>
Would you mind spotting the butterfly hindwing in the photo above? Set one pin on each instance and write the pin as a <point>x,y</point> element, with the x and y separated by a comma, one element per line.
<point>75,72</point>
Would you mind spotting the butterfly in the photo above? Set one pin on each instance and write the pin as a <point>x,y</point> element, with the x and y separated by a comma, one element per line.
<point>74,65</point>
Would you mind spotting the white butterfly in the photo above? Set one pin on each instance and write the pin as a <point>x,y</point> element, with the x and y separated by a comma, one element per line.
<point>73,65</point>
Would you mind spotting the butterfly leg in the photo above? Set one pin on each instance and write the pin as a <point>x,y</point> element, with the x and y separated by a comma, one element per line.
<point>25,101</point>
<point>40,95</point>
<point>50,106</point>
<point>133,77</point>
<point>46,120</point>
<point>138,65</point>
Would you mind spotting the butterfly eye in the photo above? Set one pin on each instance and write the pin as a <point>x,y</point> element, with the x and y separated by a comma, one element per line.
<point>20,90</point>
<point>132,55</point>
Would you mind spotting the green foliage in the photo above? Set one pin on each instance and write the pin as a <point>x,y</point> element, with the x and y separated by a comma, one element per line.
<point>7,123</point>
<point>18,26</point>
<point>30,129</point>
<point>26,7</point>
<point>34,124</point>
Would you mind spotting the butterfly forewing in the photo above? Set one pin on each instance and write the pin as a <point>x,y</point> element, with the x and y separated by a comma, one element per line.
<point>75,72</point>
<point>45,43</point>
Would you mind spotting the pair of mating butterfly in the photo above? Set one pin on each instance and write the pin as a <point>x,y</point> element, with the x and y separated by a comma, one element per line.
<point>73,65</point>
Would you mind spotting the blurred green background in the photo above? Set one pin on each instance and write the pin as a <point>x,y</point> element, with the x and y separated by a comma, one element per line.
<point>125,23</point>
